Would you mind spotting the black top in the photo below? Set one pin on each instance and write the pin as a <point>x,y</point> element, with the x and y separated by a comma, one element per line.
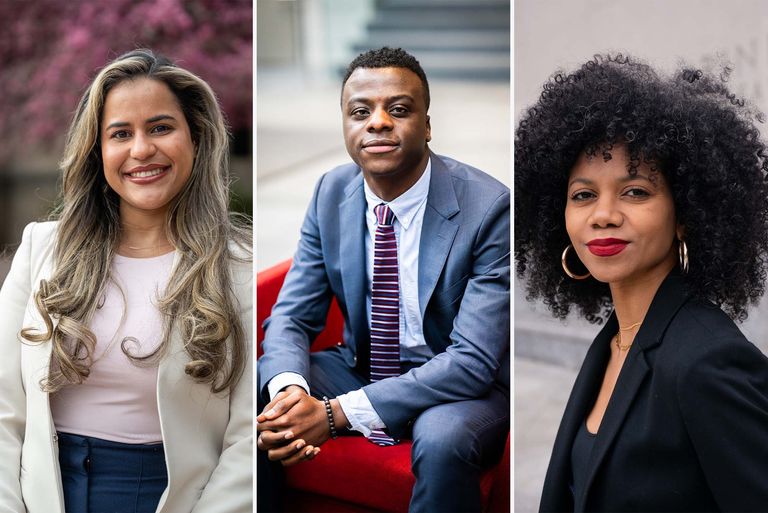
<point>580,452</point>
<point>686,428</point>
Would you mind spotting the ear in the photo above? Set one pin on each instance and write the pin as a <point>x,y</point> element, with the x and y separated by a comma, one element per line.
<point>429,130</point>
<point>680,232</point>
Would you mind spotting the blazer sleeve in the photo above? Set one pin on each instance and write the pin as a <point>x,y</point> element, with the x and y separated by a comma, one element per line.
<point>300,312</point>
<point>13,300</point>
<point>479,341</point>
<point>230,487</point>
<point>723,397</point>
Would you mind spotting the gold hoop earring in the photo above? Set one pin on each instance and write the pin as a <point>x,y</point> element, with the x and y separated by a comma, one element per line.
<point>682,254</point>
<point>568,271</point>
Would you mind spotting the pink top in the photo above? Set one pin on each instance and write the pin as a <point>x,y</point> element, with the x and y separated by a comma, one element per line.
<point>118,400</point>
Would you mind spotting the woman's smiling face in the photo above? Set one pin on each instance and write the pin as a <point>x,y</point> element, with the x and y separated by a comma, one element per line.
<point>622,227</point>
<point>146,145</point>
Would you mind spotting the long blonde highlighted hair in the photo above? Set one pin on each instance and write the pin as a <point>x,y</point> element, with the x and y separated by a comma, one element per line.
<point>199,300</point>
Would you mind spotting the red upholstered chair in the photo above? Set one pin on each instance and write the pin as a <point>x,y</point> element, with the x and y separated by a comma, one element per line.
<point>351,474</point>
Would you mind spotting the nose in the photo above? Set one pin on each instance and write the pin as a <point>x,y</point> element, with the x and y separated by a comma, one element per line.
<point>379,120</point>
<point>142,147</point>
<point>606,213</point>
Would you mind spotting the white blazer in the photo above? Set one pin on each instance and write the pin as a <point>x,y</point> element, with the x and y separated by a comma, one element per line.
<point>208,438</point>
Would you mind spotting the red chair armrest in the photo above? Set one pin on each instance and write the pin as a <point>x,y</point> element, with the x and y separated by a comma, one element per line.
<point>268,285</point>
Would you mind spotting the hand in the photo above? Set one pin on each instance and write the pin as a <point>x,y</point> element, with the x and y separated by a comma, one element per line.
<point>284,448</point>
<point>292,419</point>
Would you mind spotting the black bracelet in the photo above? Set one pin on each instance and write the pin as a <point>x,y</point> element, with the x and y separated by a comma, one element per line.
<point>329,412</point>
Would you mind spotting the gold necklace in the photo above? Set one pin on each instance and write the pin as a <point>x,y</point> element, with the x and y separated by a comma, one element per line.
<point>617,337</point>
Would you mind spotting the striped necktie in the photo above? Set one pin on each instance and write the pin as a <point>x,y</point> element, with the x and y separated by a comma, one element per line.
<point>385,307</point>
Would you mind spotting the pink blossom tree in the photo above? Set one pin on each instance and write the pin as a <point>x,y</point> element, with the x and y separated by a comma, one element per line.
<point>50,49</point>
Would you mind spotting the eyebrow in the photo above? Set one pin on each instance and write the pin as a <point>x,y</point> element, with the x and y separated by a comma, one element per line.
<point>153,119</point>
<point>627,178</point>
<point>363,99</point>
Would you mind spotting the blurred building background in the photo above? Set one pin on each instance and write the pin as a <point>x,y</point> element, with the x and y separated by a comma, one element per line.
<point>50,49</point>
<point>562,34</point>
<point>303,47</point>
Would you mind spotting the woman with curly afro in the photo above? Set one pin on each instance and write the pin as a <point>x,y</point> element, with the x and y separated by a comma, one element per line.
<point>642,201</point>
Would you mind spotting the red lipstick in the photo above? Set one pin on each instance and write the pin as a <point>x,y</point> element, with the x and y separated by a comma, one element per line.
<point>606,247</point>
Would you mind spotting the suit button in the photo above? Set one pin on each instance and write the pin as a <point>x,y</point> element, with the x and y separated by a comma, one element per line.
<point>354,358</point>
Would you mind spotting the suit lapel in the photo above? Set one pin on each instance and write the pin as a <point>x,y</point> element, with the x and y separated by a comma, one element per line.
<point>438,230</point>
<point>556,495</point>
<point>630,378</point>
<point>353,262</point>
<point>668,300</point>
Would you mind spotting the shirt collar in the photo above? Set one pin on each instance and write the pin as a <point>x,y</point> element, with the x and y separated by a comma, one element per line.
<point>408,203</point>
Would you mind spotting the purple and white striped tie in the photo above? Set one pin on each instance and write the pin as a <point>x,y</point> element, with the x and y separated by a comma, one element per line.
<point>385,308</point>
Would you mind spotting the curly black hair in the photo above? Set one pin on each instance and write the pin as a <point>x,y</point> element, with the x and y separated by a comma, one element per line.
<point>688,126</point>
<point>387,57</point>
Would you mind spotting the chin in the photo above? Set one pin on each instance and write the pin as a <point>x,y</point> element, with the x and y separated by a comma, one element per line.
<point>380,171</point>
<point>607,275</point>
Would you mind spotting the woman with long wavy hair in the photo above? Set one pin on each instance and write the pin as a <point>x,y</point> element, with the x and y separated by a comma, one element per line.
<point>126,322</point>
<point>642,201</point>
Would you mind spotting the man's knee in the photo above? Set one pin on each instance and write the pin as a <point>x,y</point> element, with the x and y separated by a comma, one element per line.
<point>442,437</point>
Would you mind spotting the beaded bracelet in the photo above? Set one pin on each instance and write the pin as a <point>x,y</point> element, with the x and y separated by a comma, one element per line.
<point>329,412</point>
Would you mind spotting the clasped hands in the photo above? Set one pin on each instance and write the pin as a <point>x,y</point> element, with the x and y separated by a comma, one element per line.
<point>294,425</point>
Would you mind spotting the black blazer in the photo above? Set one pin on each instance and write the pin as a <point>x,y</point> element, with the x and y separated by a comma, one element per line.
<point>686,428</point>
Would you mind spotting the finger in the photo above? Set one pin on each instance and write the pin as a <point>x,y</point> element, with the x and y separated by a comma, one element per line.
<point>261,417</point>
<point>272,440</point>
<point>281,406</point>
<point>305,454</point>
<point>281,453</point>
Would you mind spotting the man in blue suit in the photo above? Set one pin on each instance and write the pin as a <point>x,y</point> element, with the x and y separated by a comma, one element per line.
<point>437,306</point>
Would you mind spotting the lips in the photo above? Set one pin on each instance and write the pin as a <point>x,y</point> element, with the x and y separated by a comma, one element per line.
<point>143,175</point>
<point>380,146</point>
<point>606,247</point>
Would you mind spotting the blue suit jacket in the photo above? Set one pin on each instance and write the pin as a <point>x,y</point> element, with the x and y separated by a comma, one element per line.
<point>463,290</point>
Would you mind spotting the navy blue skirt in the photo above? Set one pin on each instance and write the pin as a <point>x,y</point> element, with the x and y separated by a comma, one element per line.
<point>100,476</point>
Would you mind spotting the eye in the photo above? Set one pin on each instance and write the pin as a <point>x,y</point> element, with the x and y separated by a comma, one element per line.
<point>636,192</point>
<point>360,113</point>
<point>120,134</point>
<point>582,195</point>
<point>398,110</point>
<point>160,129</point>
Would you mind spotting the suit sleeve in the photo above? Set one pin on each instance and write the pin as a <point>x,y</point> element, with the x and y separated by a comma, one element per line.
<point>300,312</point>
<point>13,300</point>
<point>230,487</point>
<point>479,341</point>
<point>723,397</point>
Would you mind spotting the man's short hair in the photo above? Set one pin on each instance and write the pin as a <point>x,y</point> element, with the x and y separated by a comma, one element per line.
<point>387,57</point>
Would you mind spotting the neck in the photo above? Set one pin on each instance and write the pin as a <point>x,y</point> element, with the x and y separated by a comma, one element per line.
<point>142,234</point>
<point>390,187</point>
<point>632,299</point>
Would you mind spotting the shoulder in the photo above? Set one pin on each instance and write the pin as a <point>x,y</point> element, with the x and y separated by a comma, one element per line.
<point>40,233</point>
<point>705,345</point>
<point>38,241</point>
<point>468,176</point>
<point>476,194</point>
<point>340,177</point>
<point>700,326</point>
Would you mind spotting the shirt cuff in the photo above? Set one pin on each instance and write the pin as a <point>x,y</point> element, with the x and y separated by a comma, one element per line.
<point>360,413</point>
<point>283,380</point>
